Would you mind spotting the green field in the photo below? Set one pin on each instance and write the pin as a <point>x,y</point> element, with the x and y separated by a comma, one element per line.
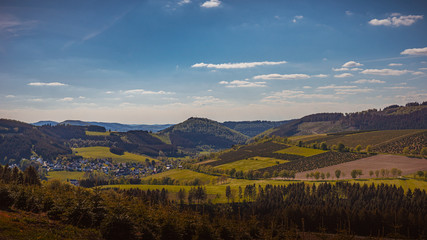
<point>306,152</point>
<point>90,133</point>
<point>183,175</point>
<point>253,163</point>
<point>306,137</point>
<point>64,175</point>
<point>104,152</point>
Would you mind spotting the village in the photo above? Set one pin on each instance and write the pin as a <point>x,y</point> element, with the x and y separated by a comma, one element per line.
<point>105,166</point>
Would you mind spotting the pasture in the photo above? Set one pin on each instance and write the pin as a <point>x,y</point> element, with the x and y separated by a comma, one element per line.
<point>252,163</point>
<point>104,153</point>
<point>91,133</point>
<point>64,175</point>
<point>306,152</point>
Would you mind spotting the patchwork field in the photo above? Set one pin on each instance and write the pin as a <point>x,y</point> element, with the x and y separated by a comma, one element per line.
<point>405,164</point>
<point>306,152</point>
<point>253,163</point>
<point>104,152</point>
<point>364,138</point>
<point>64,175</point>
<point>90,133</point>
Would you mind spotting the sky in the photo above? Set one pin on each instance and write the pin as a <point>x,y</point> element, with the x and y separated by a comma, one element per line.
<point>163,61</point>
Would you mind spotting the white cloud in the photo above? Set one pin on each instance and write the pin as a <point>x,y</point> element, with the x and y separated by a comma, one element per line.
<point>66,99</point>
<point>296,18</point>
<point>333,86</point>
<point>422,69</point>
<point>51,84</point>
<point>36,100</point>
<point>146,92</point>
<point>395,64</point>
<point>206,100</point>
<point>241,83</point>
<point>352,91</point>
<point>275,76</point>
<point>339,69</point>
<point>81,97</point>
<point>348,13</point>
<point>398,87</point>
<point>236,65</point>
<point>369,81</point>
<point>182,2</point>
<point>10,96</point>
<point>211,4</point>
<point>417,73</point>
<point>396,20</point>
<point>320,75</point>
<point>352,64</point>
<point>415,51</point>
<point>306,87</point>
<point>109,92</point>
<point>343,75</point>
<point>385,72</point>
<point>286,95</point>
<point>356,69</point>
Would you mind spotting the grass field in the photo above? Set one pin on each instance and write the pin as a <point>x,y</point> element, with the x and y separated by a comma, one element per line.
<point>64,175</point>
<point>183,175</point>
<point>90,133</point>
<point>251,164</point>
<point>306,137</point>
<point>306,152</point>
<point>104,152</point>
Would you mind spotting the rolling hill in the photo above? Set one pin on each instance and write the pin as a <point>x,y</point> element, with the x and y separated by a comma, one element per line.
<point>253,128</point>
<point>203,134</point>
<point>411,116</point>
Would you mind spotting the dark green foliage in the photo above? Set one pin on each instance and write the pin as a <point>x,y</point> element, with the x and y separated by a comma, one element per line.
<point>6,200</point>
<point>116,150</point>
<point>118,226</point>
<point>415,142</point>
<point>95,128</point>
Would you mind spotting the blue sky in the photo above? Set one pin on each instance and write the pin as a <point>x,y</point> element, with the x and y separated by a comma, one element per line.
<point>162,61</point>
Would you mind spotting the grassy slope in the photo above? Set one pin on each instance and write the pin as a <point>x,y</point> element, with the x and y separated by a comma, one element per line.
<point>64,175</point>
<point>183,175</point>
<point>90,133</point>
<point>26,225</point>
<point>306,152</point>
<point>104,152</point>
<point>251,163</point>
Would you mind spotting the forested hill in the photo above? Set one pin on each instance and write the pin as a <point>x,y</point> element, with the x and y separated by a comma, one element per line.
<point>253,128</point>
<point>203,133</point>
<point>21,140</point>
<point>394,117</point>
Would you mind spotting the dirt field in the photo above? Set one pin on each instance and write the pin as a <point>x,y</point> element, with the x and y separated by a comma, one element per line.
<point>378,162</point>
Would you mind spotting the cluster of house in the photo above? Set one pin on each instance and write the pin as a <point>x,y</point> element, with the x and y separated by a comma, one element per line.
<point>104,165</point>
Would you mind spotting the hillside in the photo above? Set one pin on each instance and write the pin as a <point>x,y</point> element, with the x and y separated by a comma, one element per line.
<point>202,133</point>
<point>253,128</point>
<point>116,127</point>
<point>411,116</point>
<point>20,140</point>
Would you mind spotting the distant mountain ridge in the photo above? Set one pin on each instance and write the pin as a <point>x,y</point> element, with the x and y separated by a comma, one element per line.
<point>117,127</point>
